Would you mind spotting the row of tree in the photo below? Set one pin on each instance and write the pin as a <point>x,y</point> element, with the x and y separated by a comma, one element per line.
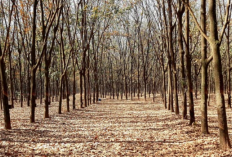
<point>133,48</point>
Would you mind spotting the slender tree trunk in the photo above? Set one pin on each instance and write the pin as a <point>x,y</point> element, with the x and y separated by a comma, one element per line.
<point>33,94</point>
<point>174,72</point>
<point>41,85</point>
<point>1,97</point>
<point>81,89</point>
<point>171,69</point>
<point>188,70</point>
<point>138,83</point>
<point>20,80</point>
<point>4,95</point>
<point>164,90</point>
<point>170,89</point>
<point>46,82</point>
<point>181,52</point>
<point>196,81</point>
<point>67,91</point>
<point>28,84</point>
<point>88,79</point>
<point>228,68</point>
<point>11,80</point>
<point>204,79</point>
<point>85,89</point>
<point>60,95</point>
<point>33,66</point>
<point>74,85</point>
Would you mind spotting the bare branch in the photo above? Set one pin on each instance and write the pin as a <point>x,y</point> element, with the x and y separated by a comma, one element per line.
<point>226,22</point>
<point>195,20</point>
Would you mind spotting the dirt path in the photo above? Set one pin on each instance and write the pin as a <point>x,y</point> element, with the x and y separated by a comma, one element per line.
<point>110,128</point>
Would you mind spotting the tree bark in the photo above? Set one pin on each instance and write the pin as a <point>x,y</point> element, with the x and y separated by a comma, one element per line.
<point>228,68</point>
<point>46,85</point>
<point>204,77</point>
<point>181,52</point>
<point>4,94</point>
<point>188,70</point>
<point>33,68</point>
<point>218,78</point>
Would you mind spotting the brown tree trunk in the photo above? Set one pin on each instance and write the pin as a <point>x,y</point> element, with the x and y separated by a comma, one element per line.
<point>81,89</point>
<point>20,80</point>
<point>188,70</point>
<point>74,85</point>
<point>11,80</point>
<point>28,84</point>
<point>204,78</point>
<point>228,68</point>
<point>60,95</point>
<point>171,68</point>
<point>173,63</point>
<point>170,89</point>
<point>181,52</point>
<point>85,88</point>
<point>46,85</point>
<point>67,91</point>
<point>33,66</point>
<point>164,89</point>
<point>4,94</point>
<point>41,85</point>
<point>218,78</point>
<point>33,94</point>
<point>1,98</point>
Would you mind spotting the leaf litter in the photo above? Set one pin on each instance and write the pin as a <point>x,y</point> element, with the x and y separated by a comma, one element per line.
<point>111,128</point>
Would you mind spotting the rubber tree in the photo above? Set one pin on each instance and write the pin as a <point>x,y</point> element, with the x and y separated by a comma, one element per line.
<point>180,13</point>
<point>204,77</point>
<point>215,41</point>
<point>4,88</point>
<point>54,13</point>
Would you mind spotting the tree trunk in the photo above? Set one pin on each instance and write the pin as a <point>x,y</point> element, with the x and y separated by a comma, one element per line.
<point>60,95</point>
<point>41,86</point>
<point>46,89</point>
<point>228,68</point>
<point>164,90</point>
<point>67,91</point>
<point>1,98</point>
<point>170,89</point>
<point>28,84</point>
<point>33,94</point>
<point>33,66</point>
<point>20,80</point>
<point>81,89</point>
<point>11,80</point>
<point>5,95</point>
<point>188,71</point>
<point>173,63</point>
<point>74,85</point>
<point>85,88</point>
<point>196,81</point>
<point>218,78</point>
<point>204,78</point>
<point>181,52</point>
<point>170,59</point>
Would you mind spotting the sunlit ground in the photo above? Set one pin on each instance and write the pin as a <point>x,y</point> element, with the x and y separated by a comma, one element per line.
<point>111,128</point>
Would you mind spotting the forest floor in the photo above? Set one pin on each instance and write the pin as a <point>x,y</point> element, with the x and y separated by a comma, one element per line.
<point>111,128</point>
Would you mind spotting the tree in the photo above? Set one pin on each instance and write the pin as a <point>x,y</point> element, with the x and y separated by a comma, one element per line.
<point>215,41</point>
<point>4,88</point>
<point>46,26</point>
<point>180,13</point>
<point>204,80</point>
<point>188,70</point>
